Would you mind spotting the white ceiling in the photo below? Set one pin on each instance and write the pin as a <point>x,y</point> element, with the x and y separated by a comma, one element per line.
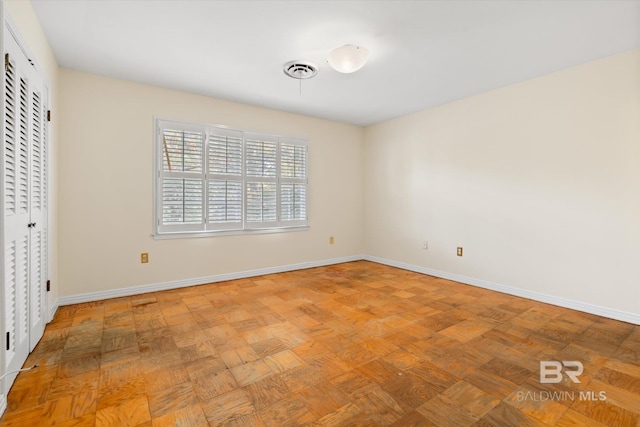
<point>423,53</point>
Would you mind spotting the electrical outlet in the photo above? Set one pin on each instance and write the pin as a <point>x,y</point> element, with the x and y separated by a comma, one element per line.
<point>331,241</point>
<point>425,245</point>
<point>144,257</point>
<point>459,251</point>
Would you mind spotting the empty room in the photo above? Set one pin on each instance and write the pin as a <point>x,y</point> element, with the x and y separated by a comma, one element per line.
<point>328,213</point>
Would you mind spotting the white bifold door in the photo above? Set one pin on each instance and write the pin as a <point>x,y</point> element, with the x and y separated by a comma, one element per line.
<point>24,210</point>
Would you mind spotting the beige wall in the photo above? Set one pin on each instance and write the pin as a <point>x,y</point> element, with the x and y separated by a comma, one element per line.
<point>106,182</point>
<point>539,182</point>
<point>26,21</point>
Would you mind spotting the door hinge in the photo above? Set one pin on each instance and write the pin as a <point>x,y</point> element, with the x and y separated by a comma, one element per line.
<point>48,115</point>
<point>6,62</point>
<point>8,342</point>
<point>48,285</point>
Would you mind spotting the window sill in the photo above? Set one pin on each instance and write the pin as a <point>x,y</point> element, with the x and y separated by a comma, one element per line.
<point>197,234</point>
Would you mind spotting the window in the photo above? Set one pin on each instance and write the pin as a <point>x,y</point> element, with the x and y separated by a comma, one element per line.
<point>212,179</point>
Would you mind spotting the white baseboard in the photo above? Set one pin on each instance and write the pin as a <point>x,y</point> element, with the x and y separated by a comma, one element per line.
<point>53,309</point>
<point>536,296</point>
<point>135,290</point>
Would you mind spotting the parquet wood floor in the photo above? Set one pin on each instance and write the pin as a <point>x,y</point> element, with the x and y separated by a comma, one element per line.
<point>351,344</point>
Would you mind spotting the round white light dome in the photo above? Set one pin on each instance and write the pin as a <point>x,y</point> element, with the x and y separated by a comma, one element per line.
<point>348,58</point>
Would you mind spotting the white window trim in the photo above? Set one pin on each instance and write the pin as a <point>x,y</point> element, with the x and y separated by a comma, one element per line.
<point>245,227</point>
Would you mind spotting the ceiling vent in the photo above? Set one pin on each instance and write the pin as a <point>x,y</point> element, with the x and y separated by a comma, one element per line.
<point>300,69</point>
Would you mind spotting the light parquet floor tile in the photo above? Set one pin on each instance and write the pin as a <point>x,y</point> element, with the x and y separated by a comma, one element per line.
<point>353,344</point>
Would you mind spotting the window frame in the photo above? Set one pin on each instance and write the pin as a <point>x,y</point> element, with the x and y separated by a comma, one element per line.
<point>205,228</point>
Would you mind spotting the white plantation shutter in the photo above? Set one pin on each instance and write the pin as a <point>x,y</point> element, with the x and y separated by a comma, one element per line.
<point>212,179</point>
<point>181,201</point>
<point>261,168</point>
<point>293,182</point>
<point>224,180</point>
<point>181,178</point>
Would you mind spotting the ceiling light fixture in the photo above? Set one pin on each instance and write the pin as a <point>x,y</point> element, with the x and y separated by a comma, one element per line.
<point>348,58</point>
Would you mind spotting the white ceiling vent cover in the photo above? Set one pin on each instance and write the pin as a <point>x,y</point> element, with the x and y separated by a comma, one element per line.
<point>300,69</point>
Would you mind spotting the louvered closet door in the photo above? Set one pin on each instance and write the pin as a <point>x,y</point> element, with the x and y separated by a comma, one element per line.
<point>16,207</point>
<point>37,205</point>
